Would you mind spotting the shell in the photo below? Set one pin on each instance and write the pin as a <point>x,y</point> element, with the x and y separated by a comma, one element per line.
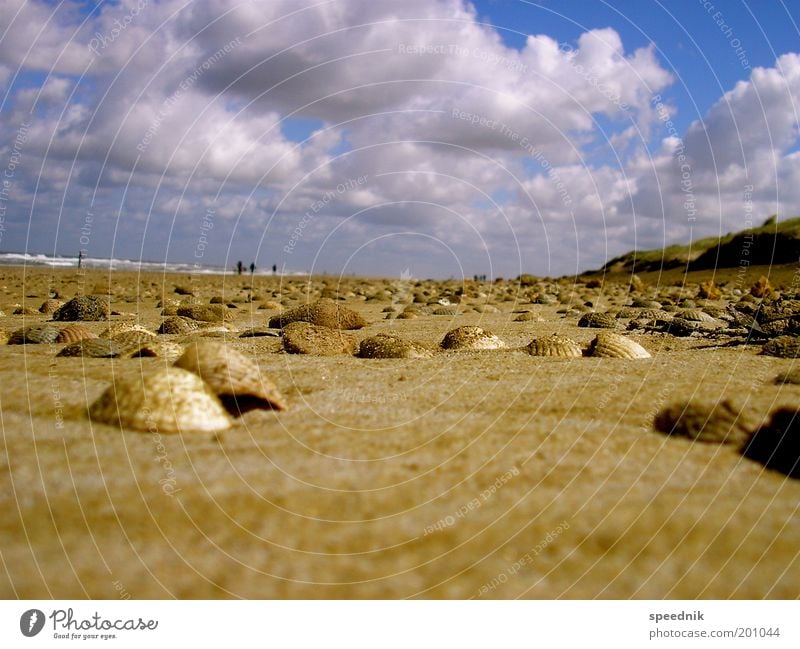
<point>154,348</point>
<point>554,345</point>
<point>529,316</point>
<point>132,337</point>
<point>408,315</point>
<point>122,327</point>
<point>610,345</point>
<point>92,348</point>
<point>792,377</point>
<point>471,338</point>
<point>323,312</point>
<point>74,333</point>
<point>695,315</point>
<point>388,345</point>
<point>777,444</point>
<point>49,307</point>
<point>25,310</point>
<point>171,400</point>
<point>207,312</point>
<point>34,334</point>
<point>446,310</point>
<point>720,423</point>
<point>598,320</point>
<point>782,347</point>
<point>234,377</point>
<point>84,307</point>
<point>178,325</point>
<point>306,338</point>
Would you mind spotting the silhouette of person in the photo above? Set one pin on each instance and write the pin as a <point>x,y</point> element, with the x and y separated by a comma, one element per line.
<point>274,268</point>
<point>252,267</point>
<point>80,257</point>
<point>239,267</point>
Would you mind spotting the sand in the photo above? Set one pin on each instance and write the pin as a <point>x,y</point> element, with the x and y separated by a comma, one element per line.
<point>475,474</point>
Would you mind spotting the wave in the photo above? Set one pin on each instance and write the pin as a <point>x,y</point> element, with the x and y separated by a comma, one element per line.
<point>58,261</point>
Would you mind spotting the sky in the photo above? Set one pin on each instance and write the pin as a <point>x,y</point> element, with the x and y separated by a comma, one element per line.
<point>428,138</point>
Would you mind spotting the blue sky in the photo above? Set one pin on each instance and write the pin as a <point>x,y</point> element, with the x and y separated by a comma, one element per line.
<point>496,138</point>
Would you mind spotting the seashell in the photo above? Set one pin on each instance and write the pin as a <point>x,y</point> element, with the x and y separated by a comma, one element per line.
<point>74,333</point>
<point>598,320</point>
<point>259,332</point>
<point>388,345</point>
<point>471,338</point>
<point>642,303</point>
<point>217,299</point>
<point>178,325</point>
<point>171,400</point>
<point>486,308</point>
<point>446,310</point>
<point>529,316</point>
<point>49,307</point>
<point>93,348</point>
<point>207,312</point>
<point>234,377</point>
<point>628,312</point>
<point>681,328</point>
<point>34,334</point>
<point>84,307</point>
<point>121,327</point>
<point>306,338</point>
<point>184,290</point>
<point>776,445</point>
<point>25,310</point>
<point>782,347</point>
<point>611,345</point>
<point>695,315</point>
<point>154,348</point>
<point>407,315</point>
<point>791,377</point>
<point>270,304</point>
<point>132,337</point>
<point>720,423</point>
<point>554,345</point>
<point>323,312</point>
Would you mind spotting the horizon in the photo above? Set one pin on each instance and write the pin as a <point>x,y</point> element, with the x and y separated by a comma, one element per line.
<point>446,139</point>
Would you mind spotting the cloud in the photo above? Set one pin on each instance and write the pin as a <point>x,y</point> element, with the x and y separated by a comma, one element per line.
<point>540,158</point>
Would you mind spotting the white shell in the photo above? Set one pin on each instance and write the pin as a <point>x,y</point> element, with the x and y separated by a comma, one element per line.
<point>611,345</point>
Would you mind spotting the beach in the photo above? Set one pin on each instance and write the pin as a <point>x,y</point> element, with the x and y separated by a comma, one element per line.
<point>479,474</point>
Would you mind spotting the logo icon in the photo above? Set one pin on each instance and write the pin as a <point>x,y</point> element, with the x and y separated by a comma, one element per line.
<point>31,622</point>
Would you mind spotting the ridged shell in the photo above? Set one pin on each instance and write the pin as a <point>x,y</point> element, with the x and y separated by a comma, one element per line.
<point>207,312</point>
<point>121,327</point>
<point>74,333</point>
<point>306,338</point>
<point>154,349</point>
<point>49,307</point>
<point>84,307</point>
<point>234,377</point>
<point>598,320</point>
<point>782,347</point>
<point>34,335</point>
<point>171,400</point>
<point>387,345</point>
<point>323,312</point>
<point>610,345</point>
<point>471,338</point>
<point>92,348</point>
<point>695,315</point>
<point>555,345</point>
<point>777,444</point>
<point>720,423</point>
<point>133,337</point>
<point>178,325</point>
<point>529,316</point>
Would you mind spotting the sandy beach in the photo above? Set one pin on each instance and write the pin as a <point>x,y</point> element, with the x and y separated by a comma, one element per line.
<point>491,474</point>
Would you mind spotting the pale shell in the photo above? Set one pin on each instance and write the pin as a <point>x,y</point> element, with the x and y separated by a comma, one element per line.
<point>123,327</point>
<point>34,334</point>
<point>611,345</point>
<point>387,345</point>
<point>154,348</point>
<point>695,315</point>
<point>207,312</point>
<point>234,377</point>
<point>554,345</point>
<point>471,338</point>
<point>171,400</point>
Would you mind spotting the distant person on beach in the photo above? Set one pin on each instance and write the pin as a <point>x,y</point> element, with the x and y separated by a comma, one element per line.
<point>80,257</point>
<point>252,267</point>
<point>274,268</point>
<point>239,267</point>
